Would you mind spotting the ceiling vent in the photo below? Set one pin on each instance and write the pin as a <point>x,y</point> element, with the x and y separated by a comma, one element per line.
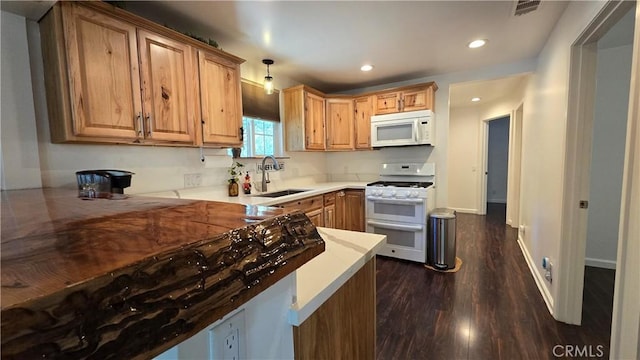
<point>525,6</point>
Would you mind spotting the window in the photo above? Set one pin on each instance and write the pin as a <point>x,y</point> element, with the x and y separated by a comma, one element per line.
<point>261,137</point>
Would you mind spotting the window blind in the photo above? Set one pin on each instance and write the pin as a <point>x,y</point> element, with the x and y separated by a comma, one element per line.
<point>257,104</point>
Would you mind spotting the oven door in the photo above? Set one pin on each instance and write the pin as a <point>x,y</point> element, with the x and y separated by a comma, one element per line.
<point>394,133</point>
<point>404,241</point>
<point>396,210</point>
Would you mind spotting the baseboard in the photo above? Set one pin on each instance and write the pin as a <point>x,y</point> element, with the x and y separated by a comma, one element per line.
<point>539,279</point>
<point>599,263</point>
<point>465,211</point>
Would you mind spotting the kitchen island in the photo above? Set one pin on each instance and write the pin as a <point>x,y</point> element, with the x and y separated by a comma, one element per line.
<point>132,278</point>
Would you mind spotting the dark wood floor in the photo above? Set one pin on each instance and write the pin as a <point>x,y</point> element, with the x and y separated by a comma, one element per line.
<point>490,309</point>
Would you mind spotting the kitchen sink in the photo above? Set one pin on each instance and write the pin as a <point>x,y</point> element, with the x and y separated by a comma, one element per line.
<point>276,194</point>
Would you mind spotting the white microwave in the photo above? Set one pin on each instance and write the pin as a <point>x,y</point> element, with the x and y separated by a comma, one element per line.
<point>403,129</point>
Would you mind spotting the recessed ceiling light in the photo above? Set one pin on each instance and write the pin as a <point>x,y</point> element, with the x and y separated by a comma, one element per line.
<point>475,99</point>
<point>366,67</point>
<point>477,43</point>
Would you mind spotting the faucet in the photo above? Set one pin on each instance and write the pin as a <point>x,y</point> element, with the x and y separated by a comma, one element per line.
<point>276,166</point>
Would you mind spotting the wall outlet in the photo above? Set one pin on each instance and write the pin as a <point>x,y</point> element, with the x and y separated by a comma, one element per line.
<point>227,339</point>
<point>548,266</point>
<point>192,180</point>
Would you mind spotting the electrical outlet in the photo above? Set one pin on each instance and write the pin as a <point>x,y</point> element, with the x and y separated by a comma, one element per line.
<point>192,180</point>
<point>227,339</point>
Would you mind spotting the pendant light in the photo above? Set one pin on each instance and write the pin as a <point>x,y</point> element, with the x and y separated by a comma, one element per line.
<point>268,80</point>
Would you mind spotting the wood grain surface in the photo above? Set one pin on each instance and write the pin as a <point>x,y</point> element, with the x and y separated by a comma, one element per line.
<point>344,327</point>
<point>130,278</point>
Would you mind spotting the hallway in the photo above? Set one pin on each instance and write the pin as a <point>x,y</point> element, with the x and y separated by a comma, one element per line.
<point>490,309</point>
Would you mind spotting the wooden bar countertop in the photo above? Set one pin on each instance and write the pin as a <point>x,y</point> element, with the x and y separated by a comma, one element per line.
<point>130,278</point>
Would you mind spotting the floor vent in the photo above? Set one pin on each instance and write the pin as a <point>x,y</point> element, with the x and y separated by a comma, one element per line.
<point>525,6</point>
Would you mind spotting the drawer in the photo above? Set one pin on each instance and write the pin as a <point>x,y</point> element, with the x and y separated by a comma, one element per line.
<point>329,199</point>
<point>306,204</point>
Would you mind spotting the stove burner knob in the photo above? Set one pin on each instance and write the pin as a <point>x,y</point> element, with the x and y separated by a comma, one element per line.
<point>378,192</point>
<point>414,194</point>
<point>393,193</point>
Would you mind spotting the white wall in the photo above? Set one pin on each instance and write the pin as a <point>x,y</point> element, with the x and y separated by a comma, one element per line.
<point>543,148</point>
<point>497,160</point>
<point>156,168</point>
<point>465,149</point>
<point>613,75</point>
<point>20,162</point>
<point>365,165</point>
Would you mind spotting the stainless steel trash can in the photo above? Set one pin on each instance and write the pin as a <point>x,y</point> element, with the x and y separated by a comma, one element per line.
<point>441,248</point>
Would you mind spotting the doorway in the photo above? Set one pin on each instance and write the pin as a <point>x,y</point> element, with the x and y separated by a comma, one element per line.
<point>582,124</point>
<point>497,163</point>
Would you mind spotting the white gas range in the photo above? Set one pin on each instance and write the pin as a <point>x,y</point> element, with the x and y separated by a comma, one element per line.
<point>398,206</point>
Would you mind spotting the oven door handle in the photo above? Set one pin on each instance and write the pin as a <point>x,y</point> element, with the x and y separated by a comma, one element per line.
<point>385,225</point>
<point>395,201</point>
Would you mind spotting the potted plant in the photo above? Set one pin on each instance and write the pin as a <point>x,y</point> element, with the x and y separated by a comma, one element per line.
<point>234,175</point>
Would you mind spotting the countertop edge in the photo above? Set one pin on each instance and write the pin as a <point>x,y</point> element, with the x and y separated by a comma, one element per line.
<point>322,291</point>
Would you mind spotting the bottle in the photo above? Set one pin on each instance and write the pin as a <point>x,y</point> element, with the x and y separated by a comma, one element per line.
<point>246,186</point>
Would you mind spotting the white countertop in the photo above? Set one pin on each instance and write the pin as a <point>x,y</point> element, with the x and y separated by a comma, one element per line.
<point>345,253</point>
<point>220,193</point>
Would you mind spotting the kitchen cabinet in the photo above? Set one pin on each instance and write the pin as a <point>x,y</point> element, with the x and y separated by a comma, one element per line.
<point>91,75</point>
<point>349,208</point>
<point>304,119</point>
<point>354,210</point>
<point>168,95</point>
<point>363,112</point>
<point>113,77</point>
<point>221,100</point>
<point>344,326</point>
<point>311,206</point>
<point>330,210</point>
<point>340,124</point>
<point>406,99</point>
<point>342,209</point>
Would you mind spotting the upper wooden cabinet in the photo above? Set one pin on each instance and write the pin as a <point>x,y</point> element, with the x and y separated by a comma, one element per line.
<point>406,99</point>
<point>363,122</point>
<point>221,100</point>
<point>113,77</point>
<point>304,118</point>
<point>340,127</point>
<point>168,92</point>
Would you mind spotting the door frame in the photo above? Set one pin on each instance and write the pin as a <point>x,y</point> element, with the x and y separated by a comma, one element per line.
<point>484,161</point>
<point>582,72</point>
<point>514,177</point>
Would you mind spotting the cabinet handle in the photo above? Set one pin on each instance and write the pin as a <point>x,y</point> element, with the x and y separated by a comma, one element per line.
<point>140,124</point>
<point>148,118</point>
<point>399,108</point>
<point>402,104</point>
<point>241,133</point>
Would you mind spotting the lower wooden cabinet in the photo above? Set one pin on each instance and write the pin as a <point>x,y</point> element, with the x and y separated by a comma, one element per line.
<point>344,327</point>
<point>312,206</point>
<point>339,210</point>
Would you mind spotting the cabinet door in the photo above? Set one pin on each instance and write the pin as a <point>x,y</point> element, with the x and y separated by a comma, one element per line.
<point>417,99</point>
<point>340,210</point>
<point>330,216</point>
<point>221,100</point>
<point>103,74</point>
<point>354,210</point>
<point>316,217</point>
<point>363,122</point>
<point>340,124</point>
<point>166,72</point>
<point>387,103</point>
<point>314,122</point>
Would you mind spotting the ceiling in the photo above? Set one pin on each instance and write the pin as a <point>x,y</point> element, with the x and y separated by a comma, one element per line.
<point>324,43</point>
<point>488,91</point>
